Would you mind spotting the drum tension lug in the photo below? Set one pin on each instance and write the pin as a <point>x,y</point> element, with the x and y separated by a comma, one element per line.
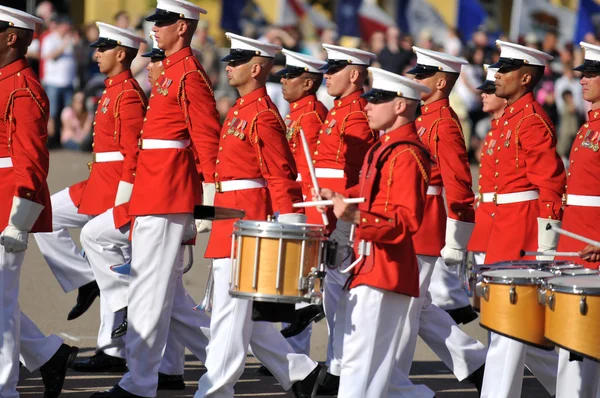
<point>583,307</point>
<point>551,302</point>
<point>482,291</point>
<point>513,294</point>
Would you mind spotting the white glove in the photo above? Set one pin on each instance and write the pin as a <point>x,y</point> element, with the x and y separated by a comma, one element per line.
<point>208,199</point>
<point>458,234</point>
<point>547,239</point>
<point>292,218</point>
<point>123,192</point>
<point>23,214</point>
<point>189,231</point>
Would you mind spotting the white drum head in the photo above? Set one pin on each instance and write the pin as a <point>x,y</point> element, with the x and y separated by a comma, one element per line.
<point>515,276</point>
<point>577,284</point>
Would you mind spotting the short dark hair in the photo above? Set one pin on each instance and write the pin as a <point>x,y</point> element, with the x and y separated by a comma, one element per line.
<point>317,81</point>
<point>536,72</point>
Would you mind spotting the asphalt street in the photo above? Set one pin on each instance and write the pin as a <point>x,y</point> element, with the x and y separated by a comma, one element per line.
<point>43,300</point>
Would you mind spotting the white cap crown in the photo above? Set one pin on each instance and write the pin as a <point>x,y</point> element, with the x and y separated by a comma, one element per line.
<point>167,10</point>
<point>592,52</point>
<point>297,60</point>
<point>491,73</point>
<point>245,46</point>
<point>512,54</point>
<point>122,37</point>
<point>352,56</point>
<point>18,19</point>
<point>402,86</point>
<point>431,61</point>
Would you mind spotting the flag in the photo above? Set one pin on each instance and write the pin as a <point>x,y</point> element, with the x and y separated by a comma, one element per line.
<point>539,16</point>
<point>347,18</point>
<point>471,16</point>
<point>587,19</point>
<point>231,15</point>
<point>358,18</point>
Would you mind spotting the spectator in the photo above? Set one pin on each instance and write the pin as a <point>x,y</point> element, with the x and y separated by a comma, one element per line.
<point>76,123</point>
<point>545,96</point>
<point>466,86</point>
<point>452,44</point>
<point>394,57</point>
<point>44,10</point>
<point>377,42</point>
<point>568,125</point>
<point>210,53</point>
<point>59,72</point>
<point>568,82</point>
<point>122,20</point>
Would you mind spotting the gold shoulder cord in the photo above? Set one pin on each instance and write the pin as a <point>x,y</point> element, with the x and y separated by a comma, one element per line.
<point>436,137</point>
<point>255,139</point>
<point>343,129</point>
<point>8,112</point>
<point>391,172</point>
<point>517,133</point>
<point>298,123</point>
<point>116,106</point>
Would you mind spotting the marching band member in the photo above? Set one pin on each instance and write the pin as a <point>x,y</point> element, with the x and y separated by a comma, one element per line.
<point>26,205</point>
<point>255,171</point>
<point>543,364</point>
<point>300,80</point>
<point>181,112</point>
<point>529,183</point>
<point>393,179</point>
<point>581,202</point>
<point>343,140</point>
<point>439,128</point>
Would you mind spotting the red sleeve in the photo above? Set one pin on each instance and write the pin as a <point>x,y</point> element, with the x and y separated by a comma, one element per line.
<point>358,138</point>
<point>544,167</point>
<point>276,162</point>
<point>405,198</point>
<point>131,118</point>
<point>204,123</point>
<point>311,123</point>
<point>453,163</point>
<point>29,153</point>
<point>352,192</point>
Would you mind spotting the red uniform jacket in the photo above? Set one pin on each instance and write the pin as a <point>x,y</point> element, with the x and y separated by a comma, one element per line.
<point>253,145</point>
<point>394,180</point>
<point>307,114</point>
<point>344,139</point>
<point>182,106</point>
<point>525,159</point>
<point>24,110</point>
<point>117,127</point>
<point>439,129</point>
<point>484,212</point>
<point>583,178</point>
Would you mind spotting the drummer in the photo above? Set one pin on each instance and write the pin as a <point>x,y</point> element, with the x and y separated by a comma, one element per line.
<point>529,183</point>
<point>393,179</point>
<point>581,213</point>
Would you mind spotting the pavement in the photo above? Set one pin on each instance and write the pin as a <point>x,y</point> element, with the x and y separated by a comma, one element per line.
<point>43,300</point>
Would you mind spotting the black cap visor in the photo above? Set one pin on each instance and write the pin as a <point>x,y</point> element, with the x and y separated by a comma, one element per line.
<point>589,66</point>
<point>290,71</point>
<point>155,54</point>
<point>423,70</point>
<point>105,43</point>
<point>237,54</point>
<point>377,96</point>
<point>336,65</point>
<point>509,63</point>
<point>4,25</point>
<point>164,16</point>
<point>487,86</point>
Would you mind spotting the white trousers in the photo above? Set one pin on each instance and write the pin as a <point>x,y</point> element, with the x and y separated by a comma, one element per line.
<point>577,379</point>
<point>155,286</point>
<point>542,363</point>
<point>332,292</point>
<point>61,253</point>
<point>231,331</point>
<point>36,348</point>
<point>10,270</point>
<point>375,322</point>
<point>300,342</point>
<point>446,288</point>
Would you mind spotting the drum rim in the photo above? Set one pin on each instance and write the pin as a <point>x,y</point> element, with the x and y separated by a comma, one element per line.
<point>588,272</point>
<point>529,263</point>
<point>273,229</point>
<point>512,280</point>
<point>270,298</point>
<point>573,289</point>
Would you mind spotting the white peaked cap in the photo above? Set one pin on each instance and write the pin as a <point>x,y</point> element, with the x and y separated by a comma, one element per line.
<point>512,54</point>
<point>18,19</point>
<point>391,82</point>
<point>432,61</point>
<point>297,60</point>
<point>248,45</point>
<point>123,37</point>
<point>352,56</point>
<point>591,62</point>
<point>172,10</point>
<point>491,73</point>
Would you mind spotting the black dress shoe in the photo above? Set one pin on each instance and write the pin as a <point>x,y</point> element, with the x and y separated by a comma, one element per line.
<point>54,371</point>
<point>476,378</point>
<point>463,315</point>
<point>115,392</point>
<point>120,330</point>
<point>262,370</point>
<point>330,385</point>
<point>307,388</point>
<point>170,382</point>
<point>304,317</point>
<point>100,362</point>
<point>85,298</point>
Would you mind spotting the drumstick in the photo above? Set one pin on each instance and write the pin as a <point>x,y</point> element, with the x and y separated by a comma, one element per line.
<point>316,203</point>
<point>550,253</point>
<point>572,235</point>
<point>313,174</point>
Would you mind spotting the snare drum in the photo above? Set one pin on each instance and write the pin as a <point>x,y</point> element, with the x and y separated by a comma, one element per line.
<point>277,262</point>
<point>573,313</point>
<point>476,277</point>
<point>510,305</point>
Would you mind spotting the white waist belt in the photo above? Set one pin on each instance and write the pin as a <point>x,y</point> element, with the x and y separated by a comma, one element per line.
<point>582,200</point>
<point>506,198</point>
<point>238,185</point>
<point>164,144</point>
<point>299,178</point>
<point>99,157</point>
<point>434,190</point>
<point>329,173</point>
<point>6,163</point>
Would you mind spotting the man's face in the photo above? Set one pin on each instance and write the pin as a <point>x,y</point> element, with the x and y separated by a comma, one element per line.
<point>292,86</point>
<point>508,82</point>
<point>239,72</point>
<point>154,68</point>
<point>590,85</point>
<point>106,59</point>
<point>166,33</point>
<point>381,115</point>
<point>491,103</point>
<point>428,80</point>
<point>337,79</point>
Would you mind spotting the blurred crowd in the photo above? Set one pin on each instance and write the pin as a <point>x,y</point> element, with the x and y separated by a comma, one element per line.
<point>70,75</point>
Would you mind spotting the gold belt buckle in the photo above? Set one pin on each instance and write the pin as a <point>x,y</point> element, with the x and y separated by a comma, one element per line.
<point>218,187</point>
<point>139,143</point>
<point>564,199</point>
<point>495,199</point>
<point>90,166</point>
<point>480,197</point>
